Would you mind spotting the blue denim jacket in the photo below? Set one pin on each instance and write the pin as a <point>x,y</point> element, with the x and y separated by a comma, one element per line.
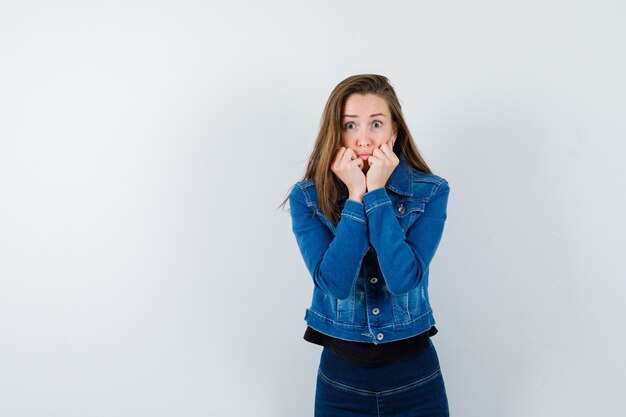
<point>370,272</point>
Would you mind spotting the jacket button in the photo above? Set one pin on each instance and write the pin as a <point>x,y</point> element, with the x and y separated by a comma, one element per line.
<point>374,280</point>
<point>401,208</point>
<point>379,336</point>
<point>375,311</point>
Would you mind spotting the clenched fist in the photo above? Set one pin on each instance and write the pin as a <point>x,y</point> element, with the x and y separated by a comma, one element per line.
<point>348,167</point>
<point>383,162</point>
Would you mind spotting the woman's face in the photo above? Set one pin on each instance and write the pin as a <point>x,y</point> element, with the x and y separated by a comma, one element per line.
<point>366,124</point>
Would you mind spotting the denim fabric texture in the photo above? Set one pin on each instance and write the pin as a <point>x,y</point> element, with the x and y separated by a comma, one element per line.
<point>370,271</point>
<point>412,387</point>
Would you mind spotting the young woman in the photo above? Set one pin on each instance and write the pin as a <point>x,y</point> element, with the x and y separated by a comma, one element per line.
<point>368,217</point>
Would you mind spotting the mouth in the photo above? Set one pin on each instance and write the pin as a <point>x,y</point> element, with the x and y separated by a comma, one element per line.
<point>364,156</point>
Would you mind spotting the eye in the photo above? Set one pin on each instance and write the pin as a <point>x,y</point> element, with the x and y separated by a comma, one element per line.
<point>377,124</point>
<point>349,124</point>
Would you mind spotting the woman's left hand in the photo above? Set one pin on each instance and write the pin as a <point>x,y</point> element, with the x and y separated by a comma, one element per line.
<point>382,163</point>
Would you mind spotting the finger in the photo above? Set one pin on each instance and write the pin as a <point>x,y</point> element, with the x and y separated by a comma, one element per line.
<point>338,156</point>
<point>379,152</point>
<point>340,153</point>
<point>348,157</point>
<point>358,163</point>
<point>385,148</point>
<point>351,153</point>
<point>374,158</point>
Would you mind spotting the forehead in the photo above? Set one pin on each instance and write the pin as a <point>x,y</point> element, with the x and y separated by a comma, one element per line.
<point>365,105</point>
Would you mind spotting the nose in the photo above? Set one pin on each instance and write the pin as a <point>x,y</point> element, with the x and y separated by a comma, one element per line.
<point>364,140</point>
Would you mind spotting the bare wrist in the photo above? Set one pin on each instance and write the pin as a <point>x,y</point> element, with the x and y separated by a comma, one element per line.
<point>356,197</point>
<point>374,187</point>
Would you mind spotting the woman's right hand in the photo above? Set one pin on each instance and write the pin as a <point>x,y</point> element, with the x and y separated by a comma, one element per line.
<point>348,167</point>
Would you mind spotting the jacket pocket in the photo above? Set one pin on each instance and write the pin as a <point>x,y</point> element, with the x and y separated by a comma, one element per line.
<point>408,211</point>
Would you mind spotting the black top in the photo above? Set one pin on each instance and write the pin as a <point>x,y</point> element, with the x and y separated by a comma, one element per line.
<point>369,354</point>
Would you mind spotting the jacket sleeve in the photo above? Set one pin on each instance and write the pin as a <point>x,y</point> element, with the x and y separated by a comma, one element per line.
<point>404,258</point>
<point>333,261</point>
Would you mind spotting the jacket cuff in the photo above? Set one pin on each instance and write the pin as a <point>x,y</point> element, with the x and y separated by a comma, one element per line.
<point>375,198</point>
<point>355,211</point>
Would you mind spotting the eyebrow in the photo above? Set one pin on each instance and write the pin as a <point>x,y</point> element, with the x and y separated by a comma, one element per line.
<point>352,115</point>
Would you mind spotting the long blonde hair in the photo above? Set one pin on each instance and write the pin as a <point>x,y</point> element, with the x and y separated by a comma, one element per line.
<point>328,141</point>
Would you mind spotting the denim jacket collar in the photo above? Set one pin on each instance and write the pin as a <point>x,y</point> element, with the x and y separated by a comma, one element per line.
<point>400,181</point>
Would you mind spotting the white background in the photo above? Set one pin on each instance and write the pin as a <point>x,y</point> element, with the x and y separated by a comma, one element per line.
<point>145,269</point>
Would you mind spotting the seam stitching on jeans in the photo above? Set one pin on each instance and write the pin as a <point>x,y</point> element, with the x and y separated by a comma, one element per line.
<point>345,387</point>
<point>381,393</point>
<point>412,384</point>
